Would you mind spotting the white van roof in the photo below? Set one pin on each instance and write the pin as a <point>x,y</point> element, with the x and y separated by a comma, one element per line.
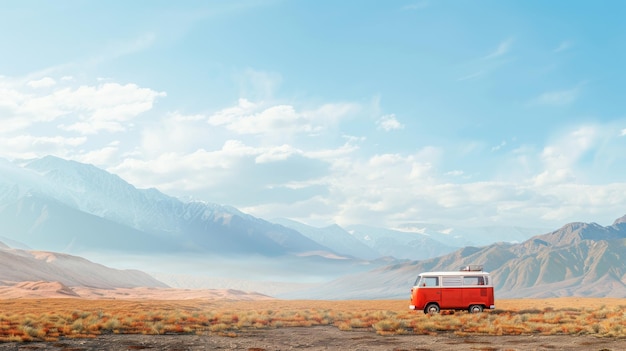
<point>454,273</point>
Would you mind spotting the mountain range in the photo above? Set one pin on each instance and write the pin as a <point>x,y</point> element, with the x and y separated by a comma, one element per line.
<point>61,205</point>
<point>58,205</point>
<point>579,259</point>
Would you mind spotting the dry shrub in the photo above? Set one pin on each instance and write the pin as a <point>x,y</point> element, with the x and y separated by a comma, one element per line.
<point>112,324</point>
<point>357,323</point>
<point>390,326</point>
<point>219,327</point>
<point>343,326</point>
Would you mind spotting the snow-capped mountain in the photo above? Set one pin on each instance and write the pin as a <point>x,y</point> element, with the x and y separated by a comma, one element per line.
<point>56,204</point>
<point>460,236</point>
<point>371,242</point>
<point>334,237</point>
<point>406,245</point>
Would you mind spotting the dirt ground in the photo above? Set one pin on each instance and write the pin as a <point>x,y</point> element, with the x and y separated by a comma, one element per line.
<point>307,338</point>
<point>324,338</point>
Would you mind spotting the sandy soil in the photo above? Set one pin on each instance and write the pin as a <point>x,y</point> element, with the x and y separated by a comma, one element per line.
<point>51,290</point>
<point>324,338</point>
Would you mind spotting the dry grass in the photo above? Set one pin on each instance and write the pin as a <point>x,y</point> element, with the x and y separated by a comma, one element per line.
<point>49,319</point>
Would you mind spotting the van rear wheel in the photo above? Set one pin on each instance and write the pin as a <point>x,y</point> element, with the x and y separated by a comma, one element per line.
<point>475,308</point>
<point>432,308</point>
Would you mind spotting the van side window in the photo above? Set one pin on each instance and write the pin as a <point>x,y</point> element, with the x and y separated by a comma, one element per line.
<point>473,280</point>
<point>430,281</point>
<point>451,281</point>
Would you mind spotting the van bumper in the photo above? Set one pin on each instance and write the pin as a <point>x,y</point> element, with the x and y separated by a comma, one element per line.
<point>492,307</point>
<point>412,307</point>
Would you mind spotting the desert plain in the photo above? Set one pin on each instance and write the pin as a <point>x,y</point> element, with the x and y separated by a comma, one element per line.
<point>170,319</point>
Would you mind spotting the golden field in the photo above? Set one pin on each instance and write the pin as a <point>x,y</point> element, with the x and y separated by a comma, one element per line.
<point>50,319</point>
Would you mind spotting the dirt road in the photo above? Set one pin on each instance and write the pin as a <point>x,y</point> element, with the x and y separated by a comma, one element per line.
<point>324,338</point>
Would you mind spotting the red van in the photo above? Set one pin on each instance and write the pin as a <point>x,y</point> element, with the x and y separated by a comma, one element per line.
<point>470,289</point>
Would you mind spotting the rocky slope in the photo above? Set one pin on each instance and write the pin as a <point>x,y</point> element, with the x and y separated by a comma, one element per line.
<point>579,259</point>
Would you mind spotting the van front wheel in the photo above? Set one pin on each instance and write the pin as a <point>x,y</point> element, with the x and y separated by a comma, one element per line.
<point>432,308</point>
<point>475,308</point>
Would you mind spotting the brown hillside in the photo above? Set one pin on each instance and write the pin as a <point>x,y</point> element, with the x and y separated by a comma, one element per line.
<point>26,265</point>
<point>577,260</point>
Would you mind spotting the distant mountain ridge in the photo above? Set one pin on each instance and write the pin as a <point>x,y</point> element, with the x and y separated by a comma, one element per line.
<point>29,265</point>
<point>44,274</point>
<point>459,236</point>
<point>578,259</point>
<point>575,232</point>
<point>404,245</point>
<point>412,241</point>
<point>59,204</point>
<point>335,238</point>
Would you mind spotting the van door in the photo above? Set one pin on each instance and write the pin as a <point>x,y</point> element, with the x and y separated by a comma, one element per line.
<point>452,292</point>
<point>476,293</point>
<point>429,291</point>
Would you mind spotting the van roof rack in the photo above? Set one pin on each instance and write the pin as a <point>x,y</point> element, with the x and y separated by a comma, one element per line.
<point>472,268</point>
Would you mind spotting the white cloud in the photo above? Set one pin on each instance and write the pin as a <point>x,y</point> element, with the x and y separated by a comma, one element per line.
<point>389,123</point>
<point>86,109</point>
<point>558,97</point>
<point>251,118</point>
<point>394,188</point>
<point>32,142</point>
<point>176,132</point>
<point>231,114</point>
<point>107,106</point>
<point>623,132</point>
<point>561,156</point>
<point>29,146</point>
<point>498,147</point>
<point>101,157</point>
<point>42,83</point>
<point>279,153</point>
<point>10,98</point>
<point>12,124</point>
<point>374,189</point>
<point>484,66</point>
<point>201,170</point>
<point>455,173</point>
<point>334,154</point>
<point>503,48</point>
<point>272,119</point>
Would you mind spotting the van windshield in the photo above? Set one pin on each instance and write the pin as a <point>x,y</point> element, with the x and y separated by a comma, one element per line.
<point>427,281</point>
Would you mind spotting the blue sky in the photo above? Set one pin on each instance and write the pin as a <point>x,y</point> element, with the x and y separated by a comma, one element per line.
<point>373,112</point>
